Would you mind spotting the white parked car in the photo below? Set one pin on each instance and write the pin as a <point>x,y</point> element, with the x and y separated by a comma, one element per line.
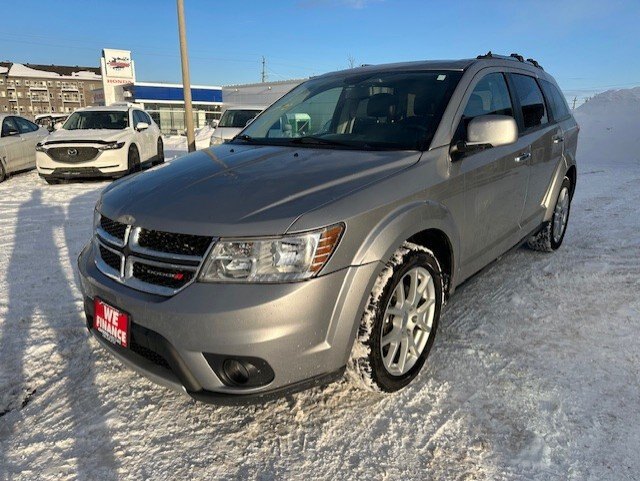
<point>233,120</point>
<point>18,144</point>
<point>100,142</point>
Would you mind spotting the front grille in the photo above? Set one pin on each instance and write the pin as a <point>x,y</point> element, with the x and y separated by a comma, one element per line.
<point>110,258</point>
<point>157,262</point>
<point>181,244</point>
<point>72,154</point>
<point>113,228</point>
<point>174,278</point>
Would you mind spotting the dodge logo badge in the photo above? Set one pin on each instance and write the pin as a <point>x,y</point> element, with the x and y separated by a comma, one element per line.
<point>72,152</point>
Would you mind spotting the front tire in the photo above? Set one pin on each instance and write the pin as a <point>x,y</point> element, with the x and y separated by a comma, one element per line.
<point>133,160</point>
<point>3,173</point>
<point>552,234</point>
<point>400,322</point>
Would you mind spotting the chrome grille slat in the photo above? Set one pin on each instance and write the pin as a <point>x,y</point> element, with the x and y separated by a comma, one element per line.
<point>149,270</point>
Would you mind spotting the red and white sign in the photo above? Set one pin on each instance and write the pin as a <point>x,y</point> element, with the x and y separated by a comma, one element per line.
<point>111,323</point>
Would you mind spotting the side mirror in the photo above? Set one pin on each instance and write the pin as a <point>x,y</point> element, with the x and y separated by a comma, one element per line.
<point>57,126</point>
<point>488,131</point>
<point>140,126</point>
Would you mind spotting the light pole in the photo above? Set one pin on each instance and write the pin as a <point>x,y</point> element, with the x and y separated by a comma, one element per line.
<point>186,82</point>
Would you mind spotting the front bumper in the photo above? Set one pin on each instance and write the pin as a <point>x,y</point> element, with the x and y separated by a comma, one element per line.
<point>304,331</point>
<point>108,163</point>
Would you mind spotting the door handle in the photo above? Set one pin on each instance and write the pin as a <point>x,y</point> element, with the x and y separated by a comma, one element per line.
<point>558,139</point>
<point>522,157</point>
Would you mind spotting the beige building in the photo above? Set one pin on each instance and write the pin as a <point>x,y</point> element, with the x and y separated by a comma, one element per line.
<point>30,90</point>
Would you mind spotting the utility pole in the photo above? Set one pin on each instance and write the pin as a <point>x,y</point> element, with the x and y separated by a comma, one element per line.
<point>186,82</point>
<point>264,69</point>
<point>575,99</point>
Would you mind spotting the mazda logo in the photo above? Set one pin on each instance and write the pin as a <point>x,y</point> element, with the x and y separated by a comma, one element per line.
<point>72,152</point>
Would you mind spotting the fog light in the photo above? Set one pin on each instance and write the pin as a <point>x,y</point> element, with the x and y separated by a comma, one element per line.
<point>240,371</point>
<point>236,371</point>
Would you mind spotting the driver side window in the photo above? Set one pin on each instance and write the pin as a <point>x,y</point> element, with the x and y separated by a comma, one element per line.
<point>489,97</point>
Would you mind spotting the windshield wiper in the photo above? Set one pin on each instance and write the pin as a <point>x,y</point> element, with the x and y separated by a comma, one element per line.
<point>313,139</point>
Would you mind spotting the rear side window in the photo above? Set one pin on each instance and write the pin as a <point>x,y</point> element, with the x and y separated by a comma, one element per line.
<point>25,126</point>
<point>8,125</point>
<point>555,99</point>
<point>534,111</point>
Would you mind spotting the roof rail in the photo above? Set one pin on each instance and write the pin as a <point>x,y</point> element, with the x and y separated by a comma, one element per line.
<point>514,56</point>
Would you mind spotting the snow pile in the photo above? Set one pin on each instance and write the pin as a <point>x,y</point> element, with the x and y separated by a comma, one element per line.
<point>176,145</point>
<point>533,374</point>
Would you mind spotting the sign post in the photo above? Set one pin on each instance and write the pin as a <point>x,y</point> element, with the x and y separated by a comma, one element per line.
<point>186,82</point>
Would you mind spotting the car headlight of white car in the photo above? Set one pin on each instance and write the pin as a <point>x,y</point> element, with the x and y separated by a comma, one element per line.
<point>280,259</point>
<point>112,146</point>
<point>40,147</point>
<point>216,140</point>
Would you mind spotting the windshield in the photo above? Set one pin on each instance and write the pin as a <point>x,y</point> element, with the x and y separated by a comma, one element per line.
<point>98,119</point>
<point>237,118</point>
<point>388,110</point>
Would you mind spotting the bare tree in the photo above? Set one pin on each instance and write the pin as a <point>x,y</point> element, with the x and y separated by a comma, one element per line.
<point>351,61</point>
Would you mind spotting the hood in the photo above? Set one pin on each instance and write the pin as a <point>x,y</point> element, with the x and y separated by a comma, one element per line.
<point>106,135</point>
<point>235,190</point>
<point>226,133</point>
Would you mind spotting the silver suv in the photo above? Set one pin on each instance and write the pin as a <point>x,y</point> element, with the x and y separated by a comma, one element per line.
<point>331,231</point>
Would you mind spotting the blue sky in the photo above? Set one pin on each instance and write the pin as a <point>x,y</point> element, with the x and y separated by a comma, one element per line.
<point>587,45</point>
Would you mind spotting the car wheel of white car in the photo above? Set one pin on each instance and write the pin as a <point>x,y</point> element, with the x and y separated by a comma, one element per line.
<point>3,173</point>
<point>133,159</point>
<point>400,322</point>
<point>160,156</point>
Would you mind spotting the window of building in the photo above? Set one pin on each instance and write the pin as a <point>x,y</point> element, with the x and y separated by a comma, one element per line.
<point>57,83</point>
<point>1,81</point>
<point>50,83</point>
<point>3,93</point>
<point>26,82</point>
<point>534,112</point>
<point>18,83</point>
<point>19,95</point>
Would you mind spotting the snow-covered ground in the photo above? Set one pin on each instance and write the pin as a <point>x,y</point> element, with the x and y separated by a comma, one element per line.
<point>534,374</point>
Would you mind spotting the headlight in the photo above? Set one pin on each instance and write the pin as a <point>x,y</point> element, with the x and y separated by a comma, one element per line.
<point>289,258</point>
<point>216,141</point>
<point>111,146</point>
<point>40,147</point>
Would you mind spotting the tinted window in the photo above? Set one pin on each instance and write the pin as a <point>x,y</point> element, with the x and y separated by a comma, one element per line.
<point>237,118</point>
<point>490,96</point>
<point>146,117</point>
<point>396,110</point>
<point>534,112</point>
<point>555,99</point>
<point>7,125</point>
<point>97,119</point>
<point>25,126</point>
<point>138,117</point>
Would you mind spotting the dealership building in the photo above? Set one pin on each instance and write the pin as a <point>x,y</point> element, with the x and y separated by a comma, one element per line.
<point>30,90</point>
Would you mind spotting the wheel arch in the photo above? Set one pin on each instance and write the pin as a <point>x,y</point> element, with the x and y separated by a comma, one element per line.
<point>428,224</point>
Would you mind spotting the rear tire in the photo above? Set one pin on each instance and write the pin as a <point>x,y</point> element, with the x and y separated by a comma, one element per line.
<point>133,160</point>
<point>399,325</point>
<point>552,234</point>
<point>3,173</point>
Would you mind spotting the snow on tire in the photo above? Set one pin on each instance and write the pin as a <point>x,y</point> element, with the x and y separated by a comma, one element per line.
<point>399,324</point>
